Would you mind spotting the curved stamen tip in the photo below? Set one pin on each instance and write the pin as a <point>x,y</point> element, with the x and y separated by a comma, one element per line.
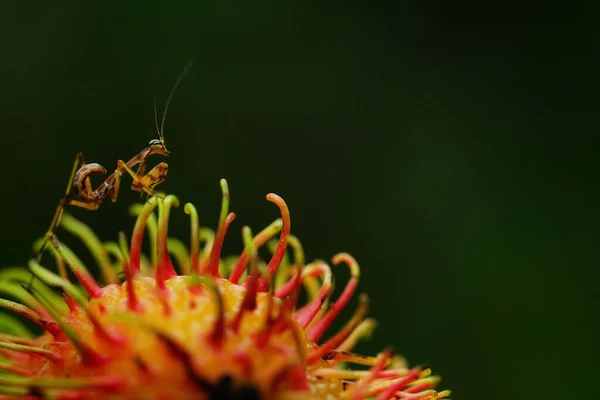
<point>224,188</point>
<point>273,265</point>
<point>249,245</point>
<point>249,300</point>
<point>388,353</point>
<point>143,214</point>
<point>363,300</point>
<point>258,241</point>
<point>305,315</point>
<point>164,269</point>
<point>321,326</point>
<point>224,220</point>
<point>194,238</point>
<point>171,200</point>
<point>350,261</point>
<point>132,300</point>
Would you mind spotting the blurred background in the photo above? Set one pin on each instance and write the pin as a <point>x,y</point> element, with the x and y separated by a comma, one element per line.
<point>451,147</point>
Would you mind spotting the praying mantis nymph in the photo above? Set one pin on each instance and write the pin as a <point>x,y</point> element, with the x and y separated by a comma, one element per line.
<point>142,182</point>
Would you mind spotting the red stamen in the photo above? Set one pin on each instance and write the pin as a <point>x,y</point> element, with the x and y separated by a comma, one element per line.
<point>251,283</point>
<point>297,333</point>
<point>215,252</point>
<point>423,395</point>
<point>217,336</point>
<point>86,279</point>
<point>72,304</point>
<point>307,313</point>
<point>49,326</point>
<point>249,301</point>
<point>218,333</point>
<point>164,269</point>
<point>88,283</point>
<point>421,386</point>
<point>273,265</point>
<point>138,234</point>
<point>194,238</point>
<point>398,385</point>
<point>291,301</point>
<point>206,236</point>
<point>339,337</point>
<point>359,387</point>
<point>290,285</point>
<point>260,239</point>
<point>132,301</point>
<point>321,326</point>
<point>270,326</point>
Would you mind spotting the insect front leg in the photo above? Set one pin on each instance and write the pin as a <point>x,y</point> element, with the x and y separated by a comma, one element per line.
<point>114,190</point>
<point>121,166</point>
<point>140,185</point>
<point>153,178</point>
<point>136,185</point>
<point>147,182</point>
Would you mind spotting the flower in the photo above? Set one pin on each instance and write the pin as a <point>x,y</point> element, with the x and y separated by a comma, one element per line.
<point>211,328</point>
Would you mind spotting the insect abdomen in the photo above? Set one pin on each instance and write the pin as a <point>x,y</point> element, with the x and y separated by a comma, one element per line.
<point>79,183</point>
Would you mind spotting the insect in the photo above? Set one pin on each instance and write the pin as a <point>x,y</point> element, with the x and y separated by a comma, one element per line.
<point>142,182</point>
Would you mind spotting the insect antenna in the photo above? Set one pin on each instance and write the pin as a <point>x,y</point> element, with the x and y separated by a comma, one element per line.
<point>161,131</point>
<point>155,113</point>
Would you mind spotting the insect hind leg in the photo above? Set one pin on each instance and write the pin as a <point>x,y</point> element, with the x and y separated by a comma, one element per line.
<point>79,161</point>
<point>154,177</point>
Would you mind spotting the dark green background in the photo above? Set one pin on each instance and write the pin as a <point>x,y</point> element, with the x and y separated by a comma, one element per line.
<point>450,146</point>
